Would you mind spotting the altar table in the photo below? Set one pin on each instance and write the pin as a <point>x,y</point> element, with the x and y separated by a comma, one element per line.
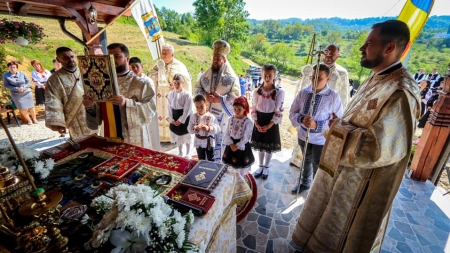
<point>217,228</point>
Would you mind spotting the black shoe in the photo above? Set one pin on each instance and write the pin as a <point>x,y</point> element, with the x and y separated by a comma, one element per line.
<point>302,188</point>
<point>258,174</point>
<point>264,176</point>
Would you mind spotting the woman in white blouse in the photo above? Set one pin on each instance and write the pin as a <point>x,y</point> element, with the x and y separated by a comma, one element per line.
<point>39,77</point>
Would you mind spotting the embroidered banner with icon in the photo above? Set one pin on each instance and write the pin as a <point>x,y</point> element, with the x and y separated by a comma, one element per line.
<point>145,15</point>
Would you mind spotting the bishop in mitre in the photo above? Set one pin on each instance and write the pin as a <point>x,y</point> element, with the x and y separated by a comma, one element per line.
<point>220,85</point>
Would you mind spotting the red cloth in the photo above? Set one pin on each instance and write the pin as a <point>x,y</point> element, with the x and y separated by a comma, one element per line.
<point>150,157</point>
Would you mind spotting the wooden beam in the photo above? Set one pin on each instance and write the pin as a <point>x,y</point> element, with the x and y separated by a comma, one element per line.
<point>112,21</point>
<point>24,9</point>
<point>80,20</point>
<point>78,5</point>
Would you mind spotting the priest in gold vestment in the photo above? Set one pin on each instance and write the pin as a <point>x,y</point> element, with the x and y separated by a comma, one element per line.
<point>365,154</point>
<point>63,98</point>
<point>162,75</point>
<point>135,104</point>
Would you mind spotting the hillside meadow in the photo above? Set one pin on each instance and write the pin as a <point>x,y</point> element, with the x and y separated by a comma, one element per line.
<point>192,55</point>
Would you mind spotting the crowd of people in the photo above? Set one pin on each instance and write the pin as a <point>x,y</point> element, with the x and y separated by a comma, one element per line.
<point>347,152</point>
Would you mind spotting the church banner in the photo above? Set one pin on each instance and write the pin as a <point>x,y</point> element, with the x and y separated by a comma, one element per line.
<point>145,15</point>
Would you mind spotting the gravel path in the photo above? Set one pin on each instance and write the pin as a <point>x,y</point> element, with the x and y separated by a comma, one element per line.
<point>26,135</point>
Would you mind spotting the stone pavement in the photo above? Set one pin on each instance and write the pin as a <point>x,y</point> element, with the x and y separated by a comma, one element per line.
<point>419,221</point>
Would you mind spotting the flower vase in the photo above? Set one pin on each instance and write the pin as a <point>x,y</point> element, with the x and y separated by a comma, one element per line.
<point>21,41</point>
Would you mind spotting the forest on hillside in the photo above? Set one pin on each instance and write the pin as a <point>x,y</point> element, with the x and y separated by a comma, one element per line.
<point>286,42</point>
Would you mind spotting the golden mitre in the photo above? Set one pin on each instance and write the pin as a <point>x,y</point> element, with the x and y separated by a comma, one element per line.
<point>221,47</point>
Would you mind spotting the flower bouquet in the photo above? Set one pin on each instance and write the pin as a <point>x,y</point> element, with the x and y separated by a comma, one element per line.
<point>138,220</point>
<point>12,30</point>
<point>38,167</point>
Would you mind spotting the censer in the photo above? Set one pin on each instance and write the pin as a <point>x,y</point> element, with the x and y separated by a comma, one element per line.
<point>42,233</point>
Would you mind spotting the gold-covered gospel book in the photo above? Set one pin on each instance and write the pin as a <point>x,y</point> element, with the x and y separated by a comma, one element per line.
<point>98,74</point>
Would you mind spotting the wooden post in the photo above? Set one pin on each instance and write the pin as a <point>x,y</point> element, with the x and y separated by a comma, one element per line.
<point>434,137</point>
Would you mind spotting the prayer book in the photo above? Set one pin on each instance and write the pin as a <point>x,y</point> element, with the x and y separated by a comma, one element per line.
<point>204,176</point>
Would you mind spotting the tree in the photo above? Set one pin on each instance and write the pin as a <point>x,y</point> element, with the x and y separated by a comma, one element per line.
<point>281,52</point>
<point>273,27</point>
<point>352,64</point>
<point>308,29</point>
<point>333,37</point>
<point>221,19</point>
<point>171,20</point>
<point>257,42</point>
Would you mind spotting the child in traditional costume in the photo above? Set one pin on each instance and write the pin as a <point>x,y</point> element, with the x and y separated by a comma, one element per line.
<point>204,126</point>
<point>327,102</point>
<point>238,152</point>
<point>267,108</point>
<point>180,109</point>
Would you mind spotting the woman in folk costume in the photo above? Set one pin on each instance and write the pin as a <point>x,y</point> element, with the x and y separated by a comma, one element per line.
<point>162,75</point>
<point>220,85</point>
<point>267,109</point>
<point>39,77</point>
<point>180,109</point>
<point>238,152</point>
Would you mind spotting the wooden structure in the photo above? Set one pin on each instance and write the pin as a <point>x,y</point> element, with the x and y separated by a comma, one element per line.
<point>434,139</point>
<point>87,15</point>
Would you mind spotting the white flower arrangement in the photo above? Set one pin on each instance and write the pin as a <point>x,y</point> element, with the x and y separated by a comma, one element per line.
<point>42,167</point>
<point>138,220</point>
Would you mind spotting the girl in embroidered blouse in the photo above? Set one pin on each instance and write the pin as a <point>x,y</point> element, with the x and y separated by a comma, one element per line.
<point>267,108</point>
<point>238,152</point>
<point>180,110</point>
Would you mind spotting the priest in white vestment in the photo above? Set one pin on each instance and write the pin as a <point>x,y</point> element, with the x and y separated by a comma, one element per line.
<point>136,67</point>
<point>63,98</point>
<point>162,75</point>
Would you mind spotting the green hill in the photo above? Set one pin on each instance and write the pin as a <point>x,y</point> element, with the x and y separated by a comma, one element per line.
<point>192,55</point>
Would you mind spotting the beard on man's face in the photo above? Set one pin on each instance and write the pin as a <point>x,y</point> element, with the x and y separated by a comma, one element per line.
<point>216,66</point>
<point>121,68</point>
<point>366,63</point>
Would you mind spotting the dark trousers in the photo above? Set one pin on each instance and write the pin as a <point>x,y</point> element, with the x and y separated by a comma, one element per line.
<point>312,159</point>
<point>202,153</point>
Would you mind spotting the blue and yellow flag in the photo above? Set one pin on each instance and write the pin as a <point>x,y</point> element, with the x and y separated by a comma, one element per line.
<point>415,15</point>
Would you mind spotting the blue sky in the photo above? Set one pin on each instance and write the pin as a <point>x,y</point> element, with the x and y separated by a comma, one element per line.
<point>280,9</point>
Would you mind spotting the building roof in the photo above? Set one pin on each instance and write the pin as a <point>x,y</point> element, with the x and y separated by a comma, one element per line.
<point>67,9</point>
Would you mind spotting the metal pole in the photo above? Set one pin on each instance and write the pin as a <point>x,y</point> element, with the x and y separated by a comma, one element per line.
<point>311,110</point>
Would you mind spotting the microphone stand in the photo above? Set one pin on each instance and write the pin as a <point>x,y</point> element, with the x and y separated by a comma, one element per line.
<point>311,108</point>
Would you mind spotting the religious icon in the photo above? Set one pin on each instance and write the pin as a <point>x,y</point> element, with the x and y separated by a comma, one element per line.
<point>152,25</point>
<point>163,180</point>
